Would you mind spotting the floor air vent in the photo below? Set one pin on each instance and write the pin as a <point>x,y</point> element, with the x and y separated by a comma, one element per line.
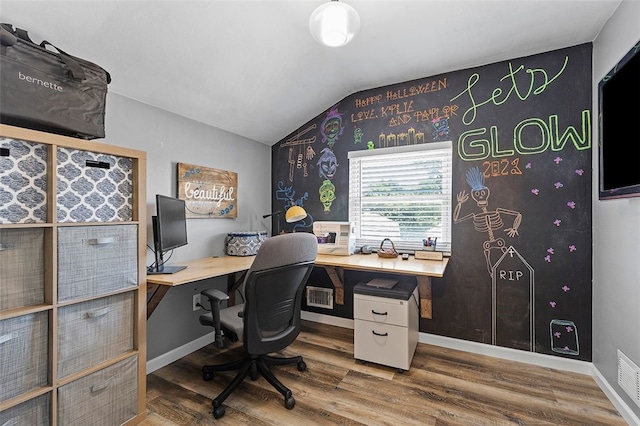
<point>320,297</point>
<point>629,377</point>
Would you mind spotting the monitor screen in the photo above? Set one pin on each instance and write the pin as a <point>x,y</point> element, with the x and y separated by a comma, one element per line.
<point>169,231</point>
<point>172,222</point>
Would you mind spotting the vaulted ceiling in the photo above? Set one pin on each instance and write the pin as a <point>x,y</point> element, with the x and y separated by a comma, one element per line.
<point>253,69</point>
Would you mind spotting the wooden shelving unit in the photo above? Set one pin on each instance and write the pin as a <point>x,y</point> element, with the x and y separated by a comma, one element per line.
<point>72,326</point>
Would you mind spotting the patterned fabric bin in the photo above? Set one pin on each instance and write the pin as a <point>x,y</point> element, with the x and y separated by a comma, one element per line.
<point>95,260</point>
<point>105,398</point>
<point>23,182</point>
<point>21,268</point>
<point>34,412</point>
<point>244,243</point>
<point>93,187</point>
<point>93,332</point>
<point>24,354</point>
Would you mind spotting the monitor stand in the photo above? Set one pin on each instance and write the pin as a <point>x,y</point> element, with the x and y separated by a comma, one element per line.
<point>165,270</point>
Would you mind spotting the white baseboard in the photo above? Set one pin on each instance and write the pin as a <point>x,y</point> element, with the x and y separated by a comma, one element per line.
<point>623,408</point>
<point>179,352</point>
<point>327,319</point>
<point>541,360</point>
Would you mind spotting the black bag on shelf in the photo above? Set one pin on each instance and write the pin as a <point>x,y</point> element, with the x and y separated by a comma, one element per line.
<point>47,90</point>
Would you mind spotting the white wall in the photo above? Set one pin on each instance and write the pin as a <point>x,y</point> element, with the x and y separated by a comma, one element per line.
<point>169,139</point>
<point>616,230</point>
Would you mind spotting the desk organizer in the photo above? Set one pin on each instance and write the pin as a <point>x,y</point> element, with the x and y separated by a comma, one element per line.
<point>244,243</point>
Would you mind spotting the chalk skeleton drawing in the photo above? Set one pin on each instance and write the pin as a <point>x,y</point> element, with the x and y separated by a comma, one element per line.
<point>487,221</point>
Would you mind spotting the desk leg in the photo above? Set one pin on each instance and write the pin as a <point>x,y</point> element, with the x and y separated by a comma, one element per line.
<point>336,275</point>
<point>155,293</point>
<point>232,286</point>
<point>424,288</point>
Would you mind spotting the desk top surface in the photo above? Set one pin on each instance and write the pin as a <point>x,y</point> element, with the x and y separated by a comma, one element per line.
<point>371,262</point>
<point>200,269</point>
<point>210,267</point>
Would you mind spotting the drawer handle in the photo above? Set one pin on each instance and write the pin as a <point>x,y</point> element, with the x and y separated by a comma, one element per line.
<point>98,164</point>
<point>98,312</point>
<point>378,313</point>
<point>5,338</point>
<point>380,334</point>
<point>102,386</point>
<point>100,241</point>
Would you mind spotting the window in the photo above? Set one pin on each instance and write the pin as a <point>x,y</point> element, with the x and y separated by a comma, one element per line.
<point>402,193</point>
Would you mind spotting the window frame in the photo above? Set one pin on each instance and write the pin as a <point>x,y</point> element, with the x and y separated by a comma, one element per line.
<point>420,152</point>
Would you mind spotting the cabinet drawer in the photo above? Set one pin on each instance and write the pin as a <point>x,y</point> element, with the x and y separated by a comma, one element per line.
<point>94,331</point>
<point>93,187</point>
<point>105,398</point>
<point>21,267</point>
<point>24,354</point>
<point>381,310</point>
<point>382,343</point>
<point>94,260</point>
<point>24,178</point>
<point>34,412</point>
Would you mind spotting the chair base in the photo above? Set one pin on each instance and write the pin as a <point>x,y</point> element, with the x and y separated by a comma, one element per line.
<point>252,366</point>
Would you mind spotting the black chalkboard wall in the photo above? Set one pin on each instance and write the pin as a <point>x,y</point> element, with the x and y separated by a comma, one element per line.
<point>521,131</point>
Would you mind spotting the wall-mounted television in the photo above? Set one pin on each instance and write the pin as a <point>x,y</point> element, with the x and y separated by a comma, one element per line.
<point>619,128</point>
<point>169,232</point>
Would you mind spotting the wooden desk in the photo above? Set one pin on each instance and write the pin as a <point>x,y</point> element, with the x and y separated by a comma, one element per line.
<point>423,270</point>
<point>211,267</point>
<point>199,269</point>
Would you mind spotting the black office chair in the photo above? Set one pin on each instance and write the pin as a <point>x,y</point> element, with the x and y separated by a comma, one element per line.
<point>270,316</point>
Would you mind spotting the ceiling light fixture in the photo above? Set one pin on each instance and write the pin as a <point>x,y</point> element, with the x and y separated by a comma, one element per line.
<point>334,24</point>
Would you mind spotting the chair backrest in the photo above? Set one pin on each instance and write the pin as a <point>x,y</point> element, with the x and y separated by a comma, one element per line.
<point>273,291</point>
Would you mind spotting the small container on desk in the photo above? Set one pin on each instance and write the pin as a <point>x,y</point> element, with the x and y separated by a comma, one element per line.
<point>428,251</point>
<point>244,243</point>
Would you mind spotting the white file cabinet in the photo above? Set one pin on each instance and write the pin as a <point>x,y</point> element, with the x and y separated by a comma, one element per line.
<point>386,324</point>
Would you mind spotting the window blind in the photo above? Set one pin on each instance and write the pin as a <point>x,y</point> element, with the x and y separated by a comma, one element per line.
<point>402,193</point>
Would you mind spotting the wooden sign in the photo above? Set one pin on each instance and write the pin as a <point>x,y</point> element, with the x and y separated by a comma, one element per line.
<point>428,255</point>
<point>208,193</point>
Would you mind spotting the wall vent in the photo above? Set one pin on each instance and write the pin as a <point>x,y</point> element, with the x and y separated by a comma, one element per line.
<point>629,377</point>
<point>320,297</point>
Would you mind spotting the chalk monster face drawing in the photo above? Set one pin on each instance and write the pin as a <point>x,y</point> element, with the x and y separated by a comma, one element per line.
<point>327,164</point>
<point>327,193</point>
<point>486,221</point>
<point>332,127</point>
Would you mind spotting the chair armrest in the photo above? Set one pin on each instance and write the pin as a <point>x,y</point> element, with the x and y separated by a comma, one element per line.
<point>214,294</point>
<point>215,297</point>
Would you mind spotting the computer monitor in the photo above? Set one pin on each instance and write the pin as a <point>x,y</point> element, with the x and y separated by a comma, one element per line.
<point>169,231</point>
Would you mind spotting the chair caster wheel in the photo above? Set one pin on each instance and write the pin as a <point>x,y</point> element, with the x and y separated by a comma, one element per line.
<point>289,403</point>
<point>218,412</point>
<point>206,376</point>
<point>302,366</point>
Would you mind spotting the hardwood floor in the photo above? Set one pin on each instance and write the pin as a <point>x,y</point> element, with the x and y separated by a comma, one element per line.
<point>443,387</point>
